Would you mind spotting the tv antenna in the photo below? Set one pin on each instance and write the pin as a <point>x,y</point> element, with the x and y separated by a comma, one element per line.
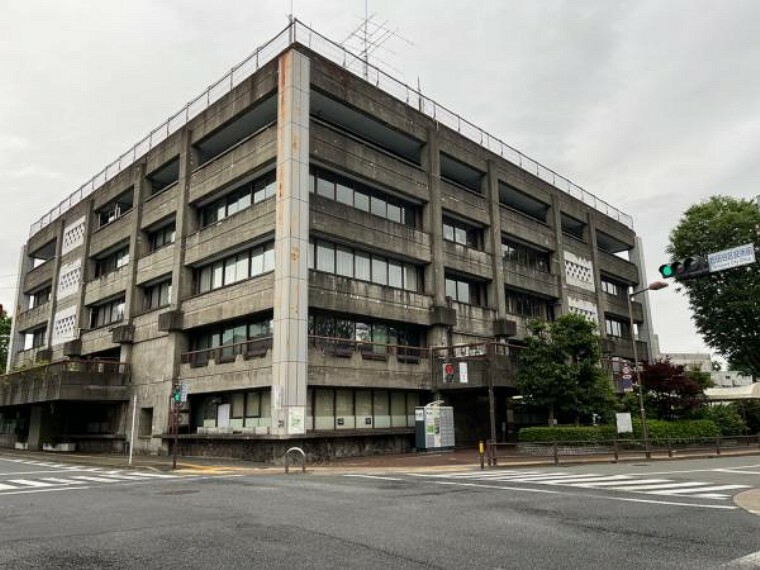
<point>369,38</point>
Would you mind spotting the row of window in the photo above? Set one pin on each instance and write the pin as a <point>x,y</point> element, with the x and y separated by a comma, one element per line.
<point>162,237</point>
<point>239,199</point>
<point>614,288</point>
<point>463,234</point>
<point>617,328</point>
<point>158,295</point>
<point>530,306</point>
<point>347,262</point>
<point>230,334</point>
<point>465,291</point>
<point>112,262</point>
<point>521,254</point>
<point>236,267</point>
<point>356,195</point>
<point>40,297</point>
<point>364,331</point>
<point>107,313</point>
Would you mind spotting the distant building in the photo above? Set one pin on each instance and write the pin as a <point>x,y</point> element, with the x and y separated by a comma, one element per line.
<point>312,249</point>
<point>700,360</point>
<point>728,378</point>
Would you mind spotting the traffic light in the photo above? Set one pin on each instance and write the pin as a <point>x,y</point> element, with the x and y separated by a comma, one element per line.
<point>684,269</point>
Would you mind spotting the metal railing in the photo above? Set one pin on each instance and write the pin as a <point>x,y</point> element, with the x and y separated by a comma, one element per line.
<point>299,32</point>
<point>254,348</point>
<point>346,348</point>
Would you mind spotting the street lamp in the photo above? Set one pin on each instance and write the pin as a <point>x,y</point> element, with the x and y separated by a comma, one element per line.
<point>654,286</point>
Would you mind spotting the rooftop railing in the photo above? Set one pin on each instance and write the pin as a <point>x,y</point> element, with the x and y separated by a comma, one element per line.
<point>297,32</point>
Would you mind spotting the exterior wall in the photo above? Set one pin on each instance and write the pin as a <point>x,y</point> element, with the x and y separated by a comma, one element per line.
<point>295,143</point>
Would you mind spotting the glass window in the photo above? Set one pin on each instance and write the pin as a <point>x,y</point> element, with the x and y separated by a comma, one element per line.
<point>377,207</point>
<point>395,275</point>
<point>451,288</point>
<point>394,213</point>
<point>344,328</point>
<point>362,267</point>
<point>311,255</point>
<point>325,257</point>
<point>230,270</point>
<point>363,332</point>
<point>218,275</point>
<point>257,261</point>
<point>344,194</point>
<point>241,266</point>
<point>463,292</point>
<point>344,263</point>
<point>252,405</point>
<point>268,258</point>
<point>361,201</point>
<point>448,232</point>
<point>379,270</point>
<point>410,278</point>
<point>326,188</point>
<point>238,405</point>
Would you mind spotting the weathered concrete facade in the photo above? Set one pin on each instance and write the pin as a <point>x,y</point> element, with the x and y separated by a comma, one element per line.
<point>291,254</point>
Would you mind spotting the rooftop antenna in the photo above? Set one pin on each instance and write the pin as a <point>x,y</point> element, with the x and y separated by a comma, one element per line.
<point>368,38</point>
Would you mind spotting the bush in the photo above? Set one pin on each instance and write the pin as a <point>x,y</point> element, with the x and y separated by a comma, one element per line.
<point>726,417</point>
<point>657,429</point>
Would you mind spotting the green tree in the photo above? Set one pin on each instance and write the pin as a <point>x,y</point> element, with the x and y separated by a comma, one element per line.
<point>5,336</point>
<point>727,417</point>
<point>559,370</point>
<point>724,304</point>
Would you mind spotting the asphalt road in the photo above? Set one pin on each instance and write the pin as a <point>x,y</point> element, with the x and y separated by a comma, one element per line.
<point>657,515</point>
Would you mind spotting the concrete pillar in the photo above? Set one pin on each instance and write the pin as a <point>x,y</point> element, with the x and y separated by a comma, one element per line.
<point>559,257</point>
<point>432,216</point>
<point>291,273</point>
<point>493,242</point>
<point>132,301</point>
<point>601,305</point>
<point>34,440</point>
<point>15,341</point>
<point>185,221</point>
<point>53,303</point>
<point>646,330</point>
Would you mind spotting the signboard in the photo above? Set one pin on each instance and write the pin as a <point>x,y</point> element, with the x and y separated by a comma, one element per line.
<point>183,390</point>
<point>448,372</point>
<point>624,423</point>
<point>464,377</point>
<point>734,257</point>
<point>627,384</point>
<point>436,430</point>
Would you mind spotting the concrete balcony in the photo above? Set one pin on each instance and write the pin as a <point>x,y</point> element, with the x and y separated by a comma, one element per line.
<point>160,206</point>
<point>531,280</point>
<point>474,320</point>
<point>99,339</point>
<point>237,366</point>
<point>118,231</point>
<point>155,264</point>
<point>107,285</point>
<point>527,229</point>
<point>33,318</point>
<point>98,381</point>
<point>344,362</point>
<point>464,202</point>
<point>623,347</point>
<point>234,164</point>
<point>467,260</point>
<point>40,275</point>
<point>231,302</point>
<point>619,306</point>
<point>485,363</point>
<point>617,267</point>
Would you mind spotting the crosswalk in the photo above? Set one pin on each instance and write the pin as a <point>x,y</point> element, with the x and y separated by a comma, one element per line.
<point>53,475</point>
<point>620,482</point>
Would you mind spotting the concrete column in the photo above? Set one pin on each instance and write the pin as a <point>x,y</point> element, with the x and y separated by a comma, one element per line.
<point>34,439</point>
<point>432,216</point>
<point>493,242</point>
<point>185,222</point>
<point>646,330</point>
<point>291,273</point>
<point>132,301</point>
<point>601,305</point>
<point>54,283</point>
<point>559,257</point>
<point>88,267</point>
<point>15,339</point>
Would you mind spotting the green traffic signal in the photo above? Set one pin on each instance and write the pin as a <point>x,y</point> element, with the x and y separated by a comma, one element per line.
<point>666,270</point>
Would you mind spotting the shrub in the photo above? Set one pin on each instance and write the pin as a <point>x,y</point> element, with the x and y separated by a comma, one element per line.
<point>726,417</point>
<point>658,429</point>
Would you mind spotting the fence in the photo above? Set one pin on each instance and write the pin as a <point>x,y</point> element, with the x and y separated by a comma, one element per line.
<point>615,449</point>
<point>299,32</point>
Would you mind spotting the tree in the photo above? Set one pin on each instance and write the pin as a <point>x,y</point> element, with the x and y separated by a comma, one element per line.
<point>559,369</point>
<point>5,336</point>
<point>670,391</point>
<point>723,304</point>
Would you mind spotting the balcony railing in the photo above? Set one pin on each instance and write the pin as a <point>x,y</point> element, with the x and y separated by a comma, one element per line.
<point>255,348</point>
<point>346,348</point>
<point>66,380</point>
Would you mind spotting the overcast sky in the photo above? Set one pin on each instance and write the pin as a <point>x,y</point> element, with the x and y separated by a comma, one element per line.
<point>651,105</point>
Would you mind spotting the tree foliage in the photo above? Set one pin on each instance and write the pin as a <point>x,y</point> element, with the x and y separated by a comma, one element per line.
<point>559,369</point>
<point>670,391</point>
<point>5,335</point>
<point>724,305</point>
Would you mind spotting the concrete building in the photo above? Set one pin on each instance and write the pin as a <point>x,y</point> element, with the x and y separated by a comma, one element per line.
<point>305,246</point>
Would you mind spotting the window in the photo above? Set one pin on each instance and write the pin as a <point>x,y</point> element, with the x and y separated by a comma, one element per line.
<point>231,334</point>
<point>356,195</point>
<point>530,306</point>
<point>524,255</point>
<point>614,288</point>
<point>112,262</point>
<point>236,267</point>
<point>465,291</point>
<point>364,331</point>
<point>158,295</point>
<point>107,313</point>
<point>617,328</point>
<point>35,338</point>
<point>238,199</point>
<point>463,234</point>
<point>162,236</point>
<point>347,262</point>
<point>115,209</point>
<point>39,297</point>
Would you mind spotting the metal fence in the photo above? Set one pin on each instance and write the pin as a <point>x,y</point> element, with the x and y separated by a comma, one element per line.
<point>303,34</point>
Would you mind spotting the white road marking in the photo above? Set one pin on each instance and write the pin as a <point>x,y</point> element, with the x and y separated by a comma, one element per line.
<point>94,479</point>
<point>63,481</point>
<point>375,477</point>
<point>664,486</point>
<point>749,561</point>
<point>700,490</point>
<point>738,471</point>
<point>621,483</point>
<point>35,491</point>
<point>4,487</point>
<point>30,483</point>
<point>15,473</point>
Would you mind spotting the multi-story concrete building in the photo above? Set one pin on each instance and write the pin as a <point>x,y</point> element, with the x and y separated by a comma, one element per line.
<point>295,247</point>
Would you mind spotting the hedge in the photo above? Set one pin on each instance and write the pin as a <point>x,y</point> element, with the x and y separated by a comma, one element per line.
<point>657,429</point>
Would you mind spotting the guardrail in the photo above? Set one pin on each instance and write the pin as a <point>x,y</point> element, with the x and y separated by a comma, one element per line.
<point>615,449</point>
<point>255,348</point>
<point>301,33</point>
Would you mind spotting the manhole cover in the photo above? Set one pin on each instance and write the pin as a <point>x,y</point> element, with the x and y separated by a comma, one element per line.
<point>179,492</point>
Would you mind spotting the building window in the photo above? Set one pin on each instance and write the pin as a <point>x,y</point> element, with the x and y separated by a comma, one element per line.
<point>614,288</point>
<point>530,306</point>
<point>231,334</point>
<point>35,338</point>
<point>107,313</point>
<point>462,233</point>
<point>465,291</point>
<point>162,236</point>
<point>364,330</point>
<point>237,267</point>
<point>520,254</point>
<point>158,295</point>
<point>115,209</point>
<point>347,262</point>
<point>361,197</point>
<point>39,297</point>
<point>617,328</point>
<point>238,199</point>
<point>112,262</point>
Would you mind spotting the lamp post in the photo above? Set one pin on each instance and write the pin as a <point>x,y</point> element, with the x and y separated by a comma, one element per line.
<point>656,285</point>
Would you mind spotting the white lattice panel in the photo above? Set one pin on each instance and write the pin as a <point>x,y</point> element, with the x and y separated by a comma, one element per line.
<point>584,308</point>
<point>73,236</point>
<point>579,272</point>
<point>65,325</point>
<point>69,279</point>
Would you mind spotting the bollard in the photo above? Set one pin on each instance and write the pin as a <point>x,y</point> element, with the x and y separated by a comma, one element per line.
<point>670,448</point>
<point>481,453</point>
<point>615,449</point>
<point>555,452</point>
<point>717,445</point>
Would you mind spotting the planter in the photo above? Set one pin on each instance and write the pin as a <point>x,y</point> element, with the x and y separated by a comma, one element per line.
<point>60,447</point>
<point>21,446</point>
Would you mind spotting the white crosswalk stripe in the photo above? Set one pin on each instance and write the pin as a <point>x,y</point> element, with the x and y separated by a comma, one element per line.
<point>30,483</point>
<point>88,475</point>
<point>625,483</point>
